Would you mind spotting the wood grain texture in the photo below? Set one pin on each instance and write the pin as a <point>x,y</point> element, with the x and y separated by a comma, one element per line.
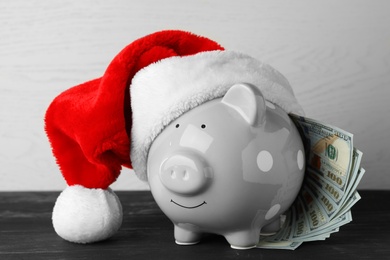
<point>336,55</point>
<point>26,233</point>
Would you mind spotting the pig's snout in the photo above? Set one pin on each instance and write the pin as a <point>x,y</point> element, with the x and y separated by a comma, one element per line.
<point>185,173</point>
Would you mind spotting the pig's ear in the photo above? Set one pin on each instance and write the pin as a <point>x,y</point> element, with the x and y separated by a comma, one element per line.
<point>248,101</point>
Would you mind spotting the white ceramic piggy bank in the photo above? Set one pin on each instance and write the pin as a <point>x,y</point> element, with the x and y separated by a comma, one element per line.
<point>230,166</point>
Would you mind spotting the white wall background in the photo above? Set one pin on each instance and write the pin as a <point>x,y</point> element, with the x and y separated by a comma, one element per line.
<point>336,55</point>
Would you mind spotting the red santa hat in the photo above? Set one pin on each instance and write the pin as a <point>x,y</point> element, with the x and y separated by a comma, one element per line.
<point>99,126</point>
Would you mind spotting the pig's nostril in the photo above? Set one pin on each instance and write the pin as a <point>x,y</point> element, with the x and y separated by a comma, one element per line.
<point>173,174</point>
<point>186,175</point>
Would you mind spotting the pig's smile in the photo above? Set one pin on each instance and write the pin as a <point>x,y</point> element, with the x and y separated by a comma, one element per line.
<point>186,207</point>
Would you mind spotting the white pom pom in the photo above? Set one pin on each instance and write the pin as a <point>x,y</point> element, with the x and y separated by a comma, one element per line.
<point>84,215</point>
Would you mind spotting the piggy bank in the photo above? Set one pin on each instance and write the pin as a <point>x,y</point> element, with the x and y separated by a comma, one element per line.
<point>230,166</point>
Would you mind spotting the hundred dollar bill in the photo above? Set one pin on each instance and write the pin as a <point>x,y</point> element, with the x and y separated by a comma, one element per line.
<point>318,237</point>
<point>298,224</point>
<point>331,192</point>
<point>301,223</point>
<point>328,192</point>
<point>291,227</point>
<point>304,217</point>
<point>327,205</point>
<point>328,149</point>
<point>356,160</point>
<point>303,231</point>
<point>354,178</point>
<point>355,197</point>
<point>354,183</point>
<point>320,234</point>
<point>289,245</point>
<point>333,225</point>
<point>312,210</point>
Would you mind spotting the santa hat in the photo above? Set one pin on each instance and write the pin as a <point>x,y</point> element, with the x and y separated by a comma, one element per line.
<point>97,127</point>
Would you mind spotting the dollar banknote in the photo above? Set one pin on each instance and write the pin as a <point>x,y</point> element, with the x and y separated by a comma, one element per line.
<point>328,191</point>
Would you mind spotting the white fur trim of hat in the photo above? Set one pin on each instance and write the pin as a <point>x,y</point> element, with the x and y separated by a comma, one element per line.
<point>163,91</point>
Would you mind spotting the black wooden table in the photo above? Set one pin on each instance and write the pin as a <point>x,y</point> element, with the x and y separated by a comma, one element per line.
<point>26,233</point>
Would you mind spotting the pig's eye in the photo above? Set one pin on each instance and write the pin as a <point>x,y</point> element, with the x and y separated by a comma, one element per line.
<point>203,126</point>
<point>177,125</point>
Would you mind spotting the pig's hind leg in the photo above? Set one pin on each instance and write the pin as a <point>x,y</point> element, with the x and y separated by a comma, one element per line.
<point>271,228</point>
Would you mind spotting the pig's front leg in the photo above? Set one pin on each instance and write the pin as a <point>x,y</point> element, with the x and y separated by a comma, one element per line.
<point>245,239</point>
<point>186,236</point>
